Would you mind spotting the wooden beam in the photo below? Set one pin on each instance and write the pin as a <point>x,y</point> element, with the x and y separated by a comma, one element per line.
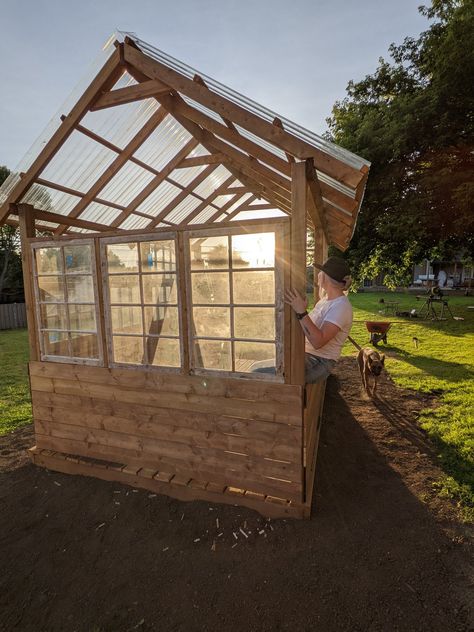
<point>117,164</point>
<point>239,115</point>
<point>106,77</point>
<point>319,219</point>
<point>298,265</point>
<point>320,255</point>
<point>237,210</point>
<point>278,123</point>
<point>120,96</point>
<point>48,216</point>
<point>211,159</point>
<point>26,220</point>
<point>157,180</point>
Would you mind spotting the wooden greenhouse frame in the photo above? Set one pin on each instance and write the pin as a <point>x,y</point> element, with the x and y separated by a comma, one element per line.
<point>183,428</point>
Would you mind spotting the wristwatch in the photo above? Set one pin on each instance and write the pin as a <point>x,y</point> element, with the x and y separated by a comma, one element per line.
<point>302,315</point>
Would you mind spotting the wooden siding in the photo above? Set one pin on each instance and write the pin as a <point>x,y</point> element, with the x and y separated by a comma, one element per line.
<point>239,433</point>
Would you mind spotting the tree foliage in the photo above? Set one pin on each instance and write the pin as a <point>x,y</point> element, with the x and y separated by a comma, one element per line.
<point>414,120</point>
<point>10,259</point>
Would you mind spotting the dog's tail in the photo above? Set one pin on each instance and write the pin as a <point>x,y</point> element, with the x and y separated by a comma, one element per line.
<point>358,347</point>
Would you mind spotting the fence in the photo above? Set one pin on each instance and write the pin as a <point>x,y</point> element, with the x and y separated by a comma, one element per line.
<point>12,315</point>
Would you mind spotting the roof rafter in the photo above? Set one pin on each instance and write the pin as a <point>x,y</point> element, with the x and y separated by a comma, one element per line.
<point>219,191</point>
<point>223,210</point>
<point>287,142</point>
<point>105,78</point>
<point>319,218</point>
<point>129,94</point>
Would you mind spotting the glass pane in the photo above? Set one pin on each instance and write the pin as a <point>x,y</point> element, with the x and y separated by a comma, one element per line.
<point>254,322</point>
<point>49,260</point>
<point>128,349</point>
<point>159,288</point>
<point>82,317</point>
<point>209,252</point>
<point>210,287</point>
<point>250,356</point>
<point>213,354</point>
<point>256,250</point>
<point>162,320</point>
<point>212,321</point>
<point>124,288</point>
<point>80,289</point>
<point>127,320</point>
<point>77,258</point>
<point>53,316</point>
<point>51,289</point>
<point>163,352</point>
<point>158,256</point>
<point>84,345</point>
<point>56,343</point>
<point>122,257</point>
<point>254,287</point>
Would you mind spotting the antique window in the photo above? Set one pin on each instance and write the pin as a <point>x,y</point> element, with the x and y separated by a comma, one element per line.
<point>235,302</point>
<point>141,300</point>
<point>66,292</point>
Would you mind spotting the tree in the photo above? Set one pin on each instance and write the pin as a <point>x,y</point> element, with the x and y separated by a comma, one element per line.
<point>414,120</point>
<point>10,259</point>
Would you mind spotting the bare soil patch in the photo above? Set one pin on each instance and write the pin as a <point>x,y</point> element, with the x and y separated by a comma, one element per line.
<point>381,553</point>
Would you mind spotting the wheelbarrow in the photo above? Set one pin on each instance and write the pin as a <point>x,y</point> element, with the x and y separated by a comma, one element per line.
<point>378,331</point>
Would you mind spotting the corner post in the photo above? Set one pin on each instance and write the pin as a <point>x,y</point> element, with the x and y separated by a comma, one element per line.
<point>26,216</point>
<point>298,264</point>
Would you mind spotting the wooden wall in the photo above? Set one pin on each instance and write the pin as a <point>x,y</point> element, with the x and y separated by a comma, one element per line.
<point>240,433</point>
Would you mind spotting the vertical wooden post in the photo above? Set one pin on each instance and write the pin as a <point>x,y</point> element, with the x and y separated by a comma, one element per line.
<point>27,230</point>
<point>320,255</point>
<point>298,264</point>
<point>182,262</point>
<point>100,276</point>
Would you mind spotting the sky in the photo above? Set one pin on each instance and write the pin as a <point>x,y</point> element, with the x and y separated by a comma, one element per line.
<point>295,57</point>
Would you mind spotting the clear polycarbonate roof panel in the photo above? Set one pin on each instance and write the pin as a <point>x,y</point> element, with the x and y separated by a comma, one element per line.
<point>204,215</point>
<point>182,210</point>
<point>159,199</point>
<point>239,202</point>
<point>47,199</point>
<point>212,182</point>
<point>134,222</point>
<point>296,130</point>
<point>96,212</point>
<point>187,175</point>
<point>220,200</point>
<point>262,214</point>
<point>127,183</point>
<point>79,163</point>
<point>163,144</point>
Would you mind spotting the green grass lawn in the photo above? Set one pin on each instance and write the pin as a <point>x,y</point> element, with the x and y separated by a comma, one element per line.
<point>443,363</point>
<point>15,403</point>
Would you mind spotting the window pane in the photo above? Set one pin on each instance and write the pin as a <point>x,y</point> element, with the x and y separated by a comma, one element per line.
<point>212,321</point>
<point>124,288</point>
<point>53,316</point>
<point>254,322</point>
<point>209,252</point>
<point>77,258</point>
<point>128,349</point>
<point>49,260</point>
<point>256,250</point>
<point>82,317</point>
<point>252,355</point>
<point>162,320</point>
<point>80,289</point>
<point>127,320</point>
<point>213,354</point>
<point>55,343</point>
<point>163,352</point>
<point>84,345</point>
<point>122,257</point>
<point>210,287</point>
<point>158,256</point>
<point>254,287</point>
<point>51,289</point>
<point>159,288</point>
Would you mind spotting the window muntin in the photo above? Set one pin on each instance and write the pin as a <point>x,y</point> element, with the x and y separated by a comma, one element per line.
<point>66,291</point>
<point>233,303</point>
<point>143,313</point>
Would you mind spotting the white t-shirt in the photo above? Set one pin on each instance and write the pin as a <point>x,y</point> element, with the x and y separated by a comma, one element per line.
<point>339,312</point>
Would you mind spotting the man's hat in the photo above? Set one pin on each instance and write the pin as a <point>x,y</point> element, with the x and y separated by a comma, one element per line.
<point>336,268</point>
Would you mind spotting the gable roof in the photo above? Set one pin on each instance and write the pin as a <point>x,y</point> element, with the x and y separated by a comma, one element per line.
<point>152,143</point>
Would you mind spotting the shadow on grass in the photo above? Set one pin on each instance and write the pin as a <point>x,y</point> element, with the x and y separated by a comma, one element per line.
<point>441,369</point>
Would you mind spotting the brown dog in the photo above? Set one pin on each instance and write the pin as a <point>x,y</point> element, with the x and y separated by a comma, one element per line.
<point>371,364</point>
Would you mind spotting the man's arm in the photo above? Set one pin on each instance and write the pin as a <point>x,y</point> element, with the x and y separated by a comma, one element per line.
<point>318,337</point>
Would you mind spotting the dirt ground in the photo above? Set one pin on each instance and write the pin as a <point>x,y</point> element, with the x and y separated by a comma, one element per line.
<point>381,552</point>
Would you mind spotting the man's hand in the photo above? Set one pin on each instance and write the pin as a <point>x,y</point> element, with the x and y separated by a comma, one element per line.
<point>297,302</point>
